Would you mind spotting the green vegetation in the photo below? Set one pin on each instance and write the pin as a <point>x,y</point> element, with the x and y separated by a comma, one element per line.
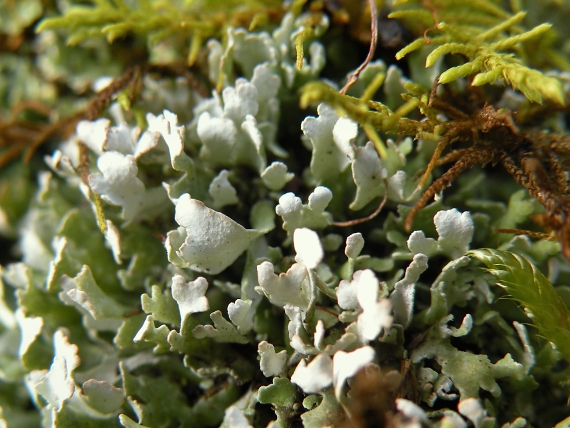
<point>201,228</point>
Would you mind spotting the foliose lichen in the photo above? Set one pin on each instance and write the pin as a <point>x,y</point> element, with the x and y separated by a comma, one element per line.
<point>190,250</point>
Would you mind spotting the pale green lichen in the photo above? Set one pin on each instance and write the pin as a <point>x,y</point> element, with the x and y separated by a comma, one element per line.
<point>239,186</point>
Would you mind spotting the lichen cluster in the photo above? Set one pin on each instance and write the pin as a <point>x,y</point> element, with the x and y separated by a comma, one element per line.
<point>205,230</point>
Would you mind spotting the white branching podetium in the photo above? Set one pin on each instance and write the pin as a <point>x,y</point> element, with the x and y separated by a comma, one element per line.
<point>308,247</point>
<point>272,363</point>
<point>331,138</point>
<point>347,364</point>
<point>411,410</point>
<point>166,125</point>
<point>221,331</point>
<point>362,295</point>
<point>347,291</point>
<point>295,214</point>
<point>100,311</point>
<point>315,376</point>
<point>57,384</point>
<point>241,315</point>
<point>222,191</point>
<point>473,410</point>
<point>455,231</point>
<point>118,183</point>
<point>275,176</point>
<point>290,287</point>
<point>190,296</point>
<point>211,240</point>
<point>376,314</point>
<point>354,245</point>
<point>368,174</point>
<point>402,298</point>
<point>30,328</point>
<point>241,123</point>
<point>234,418</point>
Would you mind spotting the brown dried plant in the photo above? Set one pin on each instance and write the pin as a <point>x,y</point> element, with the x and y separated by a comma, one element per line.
<point>539,161</point>
<point>373,394</point>
<point>19,137</point>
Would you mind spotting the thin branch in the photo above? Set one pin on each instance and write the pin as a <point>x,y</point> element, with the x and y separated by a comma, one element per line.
<point>373,43</point>
<point>370,217</point>
<point>475,156</point>
<point>427,3</point>
<point>132,79</point>
<point>10,154</point>
<point>536,235</point>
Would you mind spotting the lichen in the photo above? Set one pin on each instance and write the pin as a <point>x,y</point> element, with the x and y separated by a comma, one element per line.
<point>192,248</point>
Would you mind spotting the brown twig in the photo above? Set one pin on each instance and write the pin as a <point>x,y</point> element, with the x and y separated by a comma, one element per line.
<point>91,112</point>
<point>131,78</point>
<point>9,154</point>
<point>452,156</point>
<point>536,235</point>
<point>49,131</point>
<point>474,156</point>
<point>539,161</point>
<point>368,218</point>
<point>427,3</point>
<point>433,92</point>
<point>373,43</point>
